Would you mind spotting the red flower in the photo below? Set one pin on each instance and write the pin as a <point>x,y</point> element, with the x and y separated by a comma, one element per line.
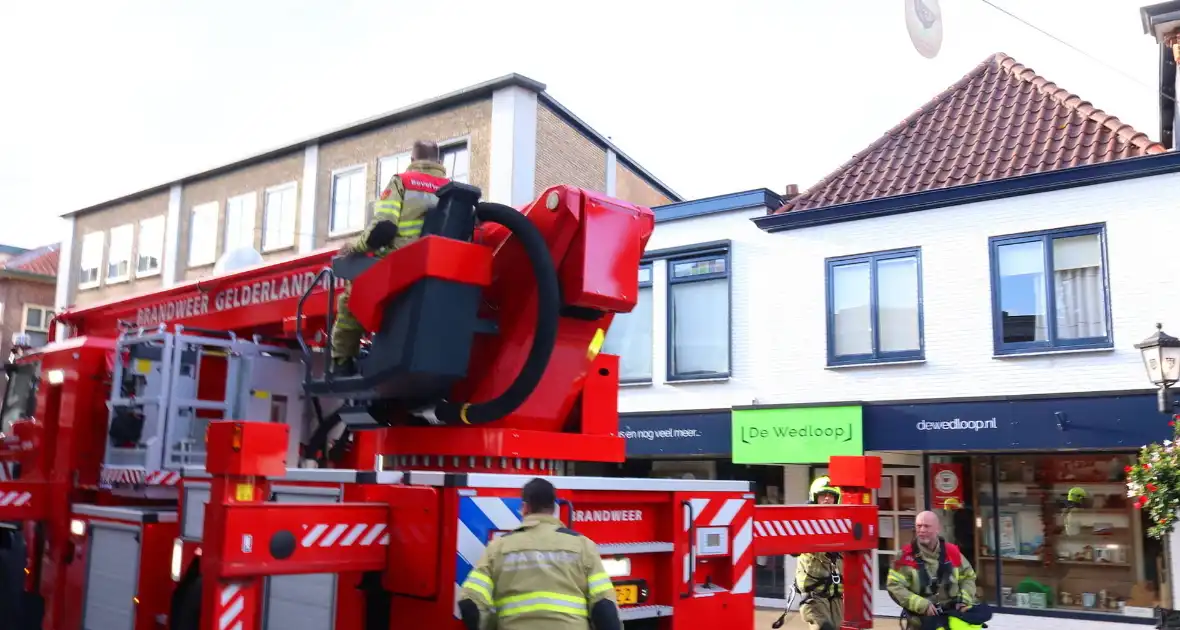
<point>1141,501</point>
<point>1171,423</point>
<point>1151,487</point>
<point>1128,469</point>
<point>1163,521</point>
<point>1147,467</point>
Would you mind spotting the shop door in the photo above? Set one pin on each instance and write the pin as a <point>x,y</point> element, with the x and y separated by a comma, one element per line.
<point>899,500</point>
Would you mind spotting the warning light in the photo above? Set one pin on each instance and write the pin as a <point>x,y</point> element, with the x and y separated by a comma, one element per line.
<point>236,444</point>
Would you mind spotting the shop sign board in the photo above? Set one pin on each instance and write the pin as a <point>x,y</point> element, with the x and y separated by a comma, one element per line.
<point>1099,422</point>
<point>670,435</point>
<point>796,435</point>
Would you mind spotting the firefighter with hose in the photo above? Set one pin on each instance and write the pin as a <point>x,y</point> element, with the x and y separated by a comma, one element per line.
<point>818,576</point>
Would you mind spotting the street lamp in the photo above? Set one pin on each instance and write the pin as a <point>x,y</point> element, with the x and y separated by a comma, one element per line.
<point>1161,357</point>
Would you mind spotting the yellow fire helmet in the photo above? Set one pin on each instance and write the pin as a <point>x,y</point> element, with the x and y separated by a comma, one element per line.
<point>823,485</point>
<point>1076,495</point>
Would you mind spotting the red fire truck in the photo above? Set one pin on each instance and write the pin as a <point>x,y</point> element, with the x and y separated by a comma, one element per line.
<point>188,459</point>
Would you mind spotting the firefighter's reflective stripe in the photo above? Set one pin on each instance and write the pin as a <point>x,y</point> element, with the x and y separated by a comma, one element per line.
<point>410,228</point>
<point>391,208</point>
<point>481,584</point>
<point>539,601</point>
<point>599,583</point>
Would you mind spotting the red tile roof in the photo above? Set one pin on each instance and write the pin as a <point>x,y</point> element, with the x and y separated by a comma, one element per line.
<point>1001,120</point>
<point>41,261</point>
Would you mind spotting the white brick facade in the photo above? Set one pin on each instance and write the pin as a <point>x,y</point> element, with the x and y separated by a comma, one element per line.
<point>779,306</point>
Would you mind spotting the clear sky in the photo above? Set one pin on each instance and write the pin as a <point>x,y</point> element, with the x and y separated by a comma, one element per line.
<point>101,99</point>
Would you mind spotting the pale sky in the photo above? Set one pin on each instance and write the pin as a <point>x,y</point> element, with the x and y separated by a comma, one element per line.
<point>104,98</point>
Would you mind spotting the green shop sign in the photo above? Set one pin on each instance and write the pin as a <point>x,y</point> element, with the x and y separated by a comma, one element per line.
<point>800,435</point>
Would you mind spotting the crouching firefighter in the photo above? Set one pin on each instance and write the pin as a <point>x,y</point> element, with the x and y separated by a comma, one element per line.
<point>818,576</point>
<point>933,583</point>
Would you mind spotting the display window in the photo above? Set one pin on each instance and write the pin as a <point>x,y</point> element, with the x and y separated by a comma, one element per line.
<point>1058,532</point>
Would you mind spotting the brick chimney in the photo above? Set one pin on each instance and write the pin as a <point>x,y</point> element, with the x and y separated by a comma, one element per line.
<point>791,192</point>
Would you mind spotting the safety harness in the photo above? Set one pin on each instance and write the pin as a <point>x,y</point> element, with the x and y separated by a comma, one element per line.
<point>927,585</point>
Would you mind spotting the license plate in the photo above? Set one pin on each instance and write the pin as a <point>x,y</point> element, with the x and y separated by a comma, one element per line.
<point>627,594</point>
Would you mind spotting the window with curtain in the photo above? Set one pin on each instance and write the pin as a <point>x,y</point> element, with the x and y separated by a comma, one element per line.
<point>119,256</point>
<point>630,335</point>
<point>874,307</point>
<point>1050,290</point>
<point>239,222</point>
<point>348,201</point>
<point>457,160</point>
<point>151,247</point>
<point>202,249</point>
<point>698,317</point>
<point>92,245</point>
<point>278,217</point>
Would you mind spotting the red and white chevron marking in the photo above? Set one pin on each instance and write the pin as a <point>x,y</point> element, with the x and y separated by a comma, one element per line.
<point>231,607</point>
<point>804,527</point>
<point>15,498</point>
<point>163,478</point>
<point>866,582</point>
<point>742,549</point>
<point>344,535</point>
<point>725,513</point>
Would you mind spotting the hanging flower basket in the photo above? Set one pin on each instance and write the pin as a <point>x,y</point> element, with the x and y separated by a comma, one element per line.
<point>1153,483</point>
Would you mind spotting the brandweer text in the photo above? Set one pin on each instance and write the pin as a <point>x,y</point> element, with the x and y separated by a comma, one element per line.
<point>289,286</point>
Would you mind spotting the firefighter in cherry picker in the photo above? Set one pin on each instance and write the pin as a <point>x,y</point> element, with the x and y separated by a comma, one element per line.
<point>542,576</point>
<point>817,576</point>
<point>397,221</point>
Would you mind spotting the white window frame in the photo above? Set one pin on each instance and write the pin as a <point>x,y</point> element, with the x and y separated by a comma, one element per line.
<point>287,233</point>
<point>447,145</point>
<point>383,176</point>
<point>44,327</point>
<point>90,241</point>
<point>204,258</point>
<point>122,238</point>
<point>245,230</point>
<point>364,172</point>
<point>148,247</point>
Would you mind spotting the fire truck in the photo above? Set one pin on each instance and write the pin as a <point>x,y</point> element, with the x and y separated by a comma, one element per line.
<point>190,459</point>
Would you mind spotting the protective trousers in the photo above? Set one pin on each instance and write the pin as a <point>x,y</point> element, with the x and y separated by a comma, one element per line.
<point>347,333</point>
<point>822,614</point>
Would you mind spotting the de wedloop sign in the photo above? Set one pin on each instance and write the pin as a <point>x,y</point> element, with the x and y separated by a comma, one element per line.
<point>796,435</point>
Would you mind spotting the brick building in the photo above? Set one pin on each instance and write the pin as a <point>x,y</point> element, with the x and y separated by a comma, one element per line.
<point>27,286</point>
<point>506,136</point>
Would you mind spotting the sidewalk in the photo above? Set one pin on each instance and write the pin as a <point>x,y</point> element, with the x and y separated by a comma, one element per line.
<point>763,618</point>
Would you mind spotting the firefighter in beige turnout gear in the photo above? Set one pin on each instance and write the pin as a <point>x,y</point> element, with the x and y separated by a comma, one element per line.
<point>541,576</point>
<point>817,575</point>
<point>397,221</point>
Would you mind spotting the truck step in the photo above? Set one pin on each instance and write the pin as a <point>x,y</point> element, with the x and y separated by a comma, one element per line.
<point>644,612</point>
<point>623,549</point>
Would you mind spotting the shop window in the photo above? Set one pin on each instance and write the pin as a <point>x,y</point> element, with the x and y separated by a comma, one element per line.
<point>630,335</point>
<point>874,308</point>
<point>1049,291</point>
<point>698,316</point>
<point>1064,535</point>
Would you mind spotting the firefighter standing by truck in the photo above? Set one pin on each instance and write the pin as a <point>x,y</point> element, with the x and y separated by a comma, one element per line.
<point>542,576</point>
<point>817,576</point>
<point>397,221</point>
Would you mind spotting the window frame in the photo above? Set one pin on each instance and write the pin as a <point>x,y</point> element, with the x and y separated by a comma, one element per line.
<point>154,250</point>
<point>192,222</point>
<point>695,253</point>
<point>452,144</point>
<point>876,356</point>
<point>649,265</point>
<point>124,256</point>
<point>380,185</point>
<point>100,237</point>
<point>293,235</point>
<point>248,216</point>
<point>45,310</point>
<point>363,169</point>
<point>1052,344</point>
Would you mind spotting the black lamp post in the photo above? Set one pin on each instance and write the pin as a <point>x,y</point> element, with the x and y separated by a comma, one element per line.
<point>1161,357</point>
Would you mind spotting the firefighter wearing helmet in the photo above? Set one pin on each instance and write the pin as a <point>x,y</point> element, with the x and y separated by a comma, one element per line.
<point>1074,501</point>
<point>818,575</point>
